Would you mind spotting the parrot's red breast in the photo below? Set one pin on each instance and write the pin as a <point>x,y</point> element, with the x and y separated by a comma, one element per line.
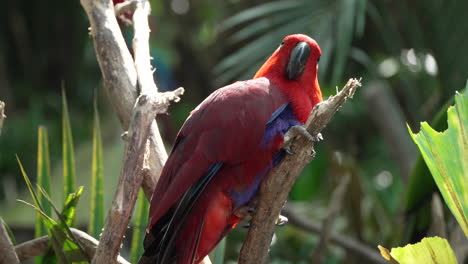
<point>223,151</point>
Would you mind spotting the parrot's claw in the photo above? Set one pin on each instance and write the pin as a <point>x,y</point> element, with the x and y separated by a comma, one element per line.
<point>244,211</point>
<point>282,220</point>
<point>301,130</point>
<point>288,150</point>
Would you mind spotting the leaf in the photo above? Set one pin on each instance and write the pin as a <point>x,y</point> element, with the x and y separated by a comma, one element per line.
<point>30,186</point>
<point>258,11</point>
<point>69,208</point>
<point>433,250</point>
<point>10,233</point>
<point>139,227</point>
<point>67,149</point>
<point>43,178</point>
<point>96,216</point>
<point>66,217</point>
<point>65,249</point>
<point>345,30</point>
<point>445,154</point>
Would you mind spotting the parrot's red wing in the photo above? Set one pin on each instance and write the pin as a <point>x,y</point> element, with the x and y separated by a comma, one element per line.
<point>223,130</point>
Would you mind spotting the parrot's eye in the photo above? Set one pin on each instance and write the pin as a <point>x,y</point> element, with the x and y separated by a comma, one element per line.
<point>282,43</point>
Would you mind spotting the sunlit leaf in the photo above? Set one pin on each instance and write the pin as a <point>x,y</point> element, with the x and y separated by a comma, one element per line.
<point>67,149</point>
<point>65,218</point>
<point>43,178</point>
<point>141,220</point>
<point>96,216</point>
<point>433,250</point>
<point>445,153</point>
<point>65,249</point>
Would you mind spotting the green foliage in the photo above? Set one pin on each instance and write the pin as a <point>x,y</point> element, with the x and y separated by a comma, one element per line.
<point>261,28</point>
<point>217,256</point>
<point>65,246</point>
<point>10,233</point>
<point>445,154</point>
<point>43,177</point>
<point>43,180</point>
<point>96,217</point>
<point>68,155</point>
<point>431,250</point>
<point>139,227</point>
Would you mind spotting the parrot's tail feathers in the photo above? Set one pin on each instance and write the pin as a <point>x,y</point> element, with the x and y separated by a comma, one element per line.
<point>160,242</point>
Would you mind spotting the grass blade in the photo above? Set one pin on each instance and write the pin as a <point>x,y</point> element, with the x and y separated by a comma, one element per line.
<point>139,227</point>
<point>67,149</point>
<point>7,228</point>
<point>43,178</point>
<point>96,217</point>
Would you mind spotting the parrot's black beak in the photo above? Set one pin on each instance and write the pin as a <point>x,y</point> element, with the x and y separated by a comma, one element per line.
<point>297,60</point>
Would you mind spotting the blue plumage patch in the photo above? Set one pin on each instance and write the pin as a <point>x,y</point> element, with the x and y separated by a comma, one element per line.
<point>281,120</point>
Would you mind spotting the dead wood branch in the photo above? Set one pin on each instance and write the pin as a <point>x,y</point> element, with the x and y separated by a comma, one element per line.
<point>275,188</point>
<point>366,253</point>
<point>144,150</point>
<point>7,250</point>
<point>130,180</point>
<point>120,76</point>
<point>39,246</point>
<point>336,202</point>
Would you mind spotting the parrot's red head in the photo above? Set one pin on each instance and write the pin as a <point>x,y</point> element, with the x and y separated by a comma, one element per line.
<point>293,68</point>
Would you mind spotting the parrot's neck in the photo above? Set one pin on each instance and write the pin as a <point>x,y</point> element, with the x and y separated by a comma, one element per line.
<point>302,95</point>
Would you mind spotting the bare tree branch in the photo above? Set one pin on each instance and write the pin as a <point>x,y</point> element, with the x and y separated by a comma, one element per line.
<point>144,151</point>
<point>7,250</point>
<point>131,178</point>
<point>276,186</point>
<point>333,209</point>
<point>354,246</point>
<point>120,79</point>
<point>39,246</point>
<point>2,115</point>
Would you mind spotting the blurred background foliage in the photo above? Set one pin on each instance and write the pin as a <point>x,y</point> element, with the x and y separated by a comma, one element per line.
<point>410,54</point>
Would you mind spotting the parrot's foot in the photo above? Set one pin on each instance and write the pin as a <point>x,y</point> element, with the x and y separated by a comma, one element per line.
<point>282,220</point>
<point>245,211</point>
<point>301,130</point>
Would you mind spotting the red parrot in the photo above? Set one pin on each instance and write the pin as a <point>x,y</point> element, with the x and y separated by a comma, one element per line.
<point>224,149</point>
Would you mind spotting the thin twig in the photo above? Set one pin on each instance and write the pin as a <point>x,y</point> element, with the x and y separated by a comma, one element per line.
<point>7,250</point>
<point>39,246</point>
<point>353,246</point>
<point>276,186</point>
<point>2,115</point>
<point>333,209</point>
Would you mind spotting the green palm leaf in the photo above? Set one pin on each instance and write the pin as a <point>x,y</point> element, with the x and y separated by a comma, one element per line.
<point>445,154</point>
